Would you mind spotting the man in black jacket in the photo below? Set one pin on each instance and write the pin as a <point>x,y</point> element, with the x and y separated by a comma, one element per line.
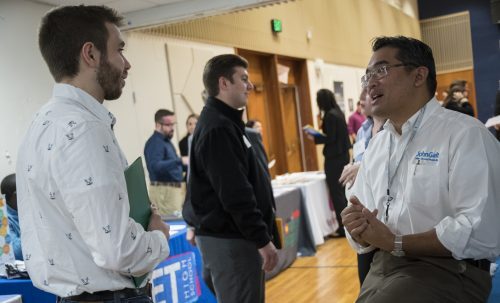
<point>230,202</point>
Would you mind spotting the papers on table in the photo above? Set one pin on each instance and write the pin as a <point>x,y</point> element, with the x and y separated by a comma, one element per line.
<point>176,228</point>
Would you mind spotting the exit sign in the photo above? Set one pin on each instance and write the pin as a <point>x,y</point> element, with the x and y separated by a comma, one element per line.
<point>276,25</point>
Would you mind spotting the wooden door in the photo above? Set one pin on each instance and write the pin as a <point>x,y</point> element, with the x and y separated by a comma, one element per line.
<point>293,131</point>
<point>279,107</point>
<point>263,105</point>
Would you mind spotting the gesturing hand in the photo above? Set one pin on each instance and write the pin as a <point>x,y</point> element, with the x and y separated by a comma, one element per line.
<point>349,174</point>
<point>354,220</point>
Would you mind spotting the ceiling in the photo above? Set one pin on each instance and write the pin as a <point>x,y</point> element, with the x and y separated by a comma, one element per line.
<point>143,13</point>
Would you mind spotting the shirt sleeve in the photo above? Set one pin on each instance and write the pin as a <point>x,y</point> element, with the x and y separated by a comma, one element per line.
<point>363,192</point>
<point>474,176</point>
<point>16,246</point>
<point>224,159</point>
<point>92,185</point>
<point>161,165</point>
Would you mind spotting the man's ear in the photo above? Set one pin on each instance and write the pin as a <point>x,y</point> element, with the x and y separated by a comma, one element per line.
<point>223,83</point>
<point>421,76</point>
<point>90,55</point>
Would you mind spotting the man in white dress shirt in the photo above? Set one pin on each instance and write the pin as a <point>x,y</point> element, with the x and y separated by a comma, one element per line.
<point>78,240</point>
<point>427,195</point>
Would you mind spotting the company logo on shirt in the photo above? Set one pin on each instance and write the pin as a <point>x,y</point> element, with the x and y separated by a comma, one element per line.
<point>427,156</point>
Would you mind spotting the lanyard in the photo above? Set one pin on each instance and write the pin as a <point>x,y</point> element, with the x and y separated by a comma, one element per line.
<point>390,178</point>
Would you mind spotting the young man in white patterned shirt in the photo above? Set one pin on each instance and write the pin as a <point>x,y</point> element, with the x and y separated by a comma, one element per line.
<point>78,240</point>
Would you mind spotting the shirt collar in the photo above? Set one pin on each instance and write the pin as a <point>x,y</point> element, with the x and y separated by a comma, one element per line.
<point>367,123</point>
<point>161,136</point>
<point>86,100</point>
<point>233,114</point>
<point>430,107</point>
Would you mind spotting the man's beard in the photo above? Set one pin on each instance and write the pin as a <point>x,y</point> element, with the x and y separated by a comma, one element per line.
<point>109,78</point>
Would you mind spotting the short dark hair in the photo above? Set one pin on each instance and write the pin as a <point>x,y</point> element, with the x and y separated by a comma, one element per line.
<point>64,30</point>
<point>460,82</point>
<point>251,123</point>
<point>413,52</point>
<point>162,113</point>
<point>221,66</point>
<point>8,187</point>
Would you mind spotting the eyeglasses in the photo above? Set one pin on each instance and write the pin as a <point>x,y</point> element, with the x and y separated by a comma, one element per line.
<point>380,72</point>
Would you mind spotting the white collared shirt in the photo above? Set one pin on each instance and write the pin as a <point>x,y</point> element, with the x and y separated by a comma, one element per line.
<point>73,205</point>
<point>448,179</point>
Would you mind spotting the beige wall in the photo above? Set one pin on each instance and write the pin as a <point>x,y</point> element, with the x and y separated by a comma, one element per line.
<point>157,80</point>
<point>341,30</point>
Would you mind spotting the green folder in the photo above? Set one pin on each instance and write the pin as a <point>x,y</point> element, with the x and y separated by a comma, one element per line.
<point>140,209</point>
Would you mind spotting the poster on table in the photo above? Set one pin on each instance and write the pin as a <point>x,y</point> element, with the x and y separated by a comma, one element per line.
<point>176,280</point>
<point>6,252</point>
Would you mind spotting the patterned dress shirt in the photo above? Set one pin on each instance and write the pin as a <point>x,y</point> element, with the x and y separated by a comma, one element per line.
<point>73,206</point>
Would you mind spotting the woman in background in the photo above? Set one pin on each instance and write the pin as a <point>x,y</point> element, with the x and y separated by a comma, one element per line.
<point>190,125</point>
<point>336,149</point>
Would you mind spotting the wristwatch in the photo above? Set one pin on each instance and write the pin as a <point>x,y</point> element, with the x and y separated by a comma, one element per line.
<point>398,247</point>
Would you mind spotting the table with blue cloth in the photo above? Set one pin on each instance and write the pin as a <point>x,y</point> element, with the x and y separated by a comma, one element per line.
<point>178,246</point>
<point>179,277</point>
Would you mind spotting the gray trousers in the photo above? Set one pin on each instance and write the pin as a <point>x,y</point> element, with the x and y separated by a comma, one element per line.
<point>235,268</point>
<point>423,279</point>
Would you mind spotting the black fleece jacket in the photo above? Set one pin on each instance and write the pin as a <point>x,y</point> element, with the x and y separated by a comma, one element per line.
<point>229,193</point>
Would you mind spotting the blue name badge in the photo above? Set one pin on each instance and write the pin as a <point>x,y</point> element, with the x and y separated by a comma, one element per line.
<point>426,158</point>
<point>176,280</point>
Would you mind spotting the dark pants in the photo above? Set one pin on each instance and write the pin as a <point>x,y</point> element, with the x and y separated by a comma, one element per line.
<point>138,299</point>
<point>364,263</point>
<point>333,170</point>
<point>235,268</point>
<point>424,279</point>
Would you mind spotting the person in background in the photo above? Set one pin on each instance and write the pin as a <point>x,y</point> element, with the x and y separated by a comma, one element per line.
<point>255,124</point>
<point>457,100</point>
<point>336,149</point>
<point>253,131</point>
<point>183,143</point>
<point>412,199</point>
<point>355,121</point>
<point>366,132</point>
<point>8,188</point>
<point>165,167</point>
<point>77,237</point>
<point>229,204</point>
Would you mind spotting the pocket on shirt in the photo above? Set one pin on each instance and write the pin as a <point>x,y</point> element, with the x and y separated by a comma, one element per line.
<point>423,183</point>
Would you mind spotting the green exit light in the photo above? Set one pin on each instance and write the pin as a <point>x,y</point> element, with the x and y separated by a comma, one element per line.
<point>276,25</point>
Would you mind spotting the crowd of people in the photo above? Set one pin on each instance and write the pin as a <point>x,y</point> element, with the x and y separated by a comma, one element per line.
<point>418,202</point>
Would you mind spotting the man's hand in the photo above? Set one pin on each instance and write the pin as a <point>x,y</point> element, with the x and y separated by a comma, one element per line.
<point>349,174</point>
<point>377,233</point>
<point>354,220</point>
<point>309,136</point>
<point>269,256</point>
<point>156,223</point>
